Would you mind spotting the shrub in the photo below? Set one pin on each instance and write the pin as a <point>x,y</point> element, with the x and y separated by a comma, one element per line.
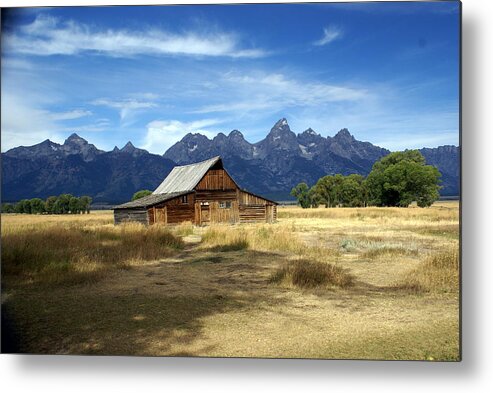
<point>437,273</point>
<point>312,274</point>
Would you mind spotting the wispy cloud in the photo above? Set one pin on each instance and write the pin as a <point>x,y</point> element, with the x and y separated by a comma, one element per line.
<point>275,91</point>
<point>47,36</point>
<point>70,115</point>
<point>331,33</point>
<point>98,125</point>
<point>161,134</point>
<point>126,107</point>
<point>24,124</point>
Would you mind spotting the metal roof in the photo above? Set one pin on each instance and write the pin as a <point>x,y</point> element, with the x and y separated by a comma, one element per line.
<point>150,200</point>
<point>186,177</point>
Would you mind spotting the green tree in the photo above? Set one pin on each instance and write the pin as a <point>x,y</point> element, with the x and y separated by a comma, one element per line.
<point>353,191</point>
<point>85,204</point>
<point>62,205</point>
<point>37,206</point>
<point>74,205</point>
<point>301,193</point>
<point>23,206</point>
<point>314,197</point>
<point>141,194</point>
<point>323,187</point>
<point>7,208</point>
<point>401,178</point>
<point>50,204</point>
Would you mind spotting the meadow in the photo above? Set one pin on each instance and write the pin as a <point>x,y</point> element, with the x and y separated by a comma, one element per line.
<point>339,283</point>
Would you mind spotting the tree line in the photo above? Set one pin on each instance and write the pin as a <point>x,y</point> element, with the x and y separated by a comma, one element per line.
<point>61,204</point>
<point>397,179</point>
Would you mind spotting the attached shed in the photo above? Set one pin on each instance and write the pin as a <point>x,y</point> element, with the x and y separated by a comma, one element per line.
<point>201,193</point>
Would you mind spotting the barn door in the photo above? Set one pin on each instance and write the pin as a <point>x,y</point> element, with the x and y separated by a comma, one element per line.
<point>205,213</point>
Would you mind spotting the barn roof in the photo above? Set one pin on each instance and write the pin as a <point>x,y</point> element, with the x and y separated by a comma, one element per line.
<point>186,177</point>
<point>150,200</point>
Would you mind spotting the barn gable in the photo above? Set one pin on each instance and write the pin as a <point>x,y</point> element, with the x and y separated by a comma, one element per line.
<point>186,177</point>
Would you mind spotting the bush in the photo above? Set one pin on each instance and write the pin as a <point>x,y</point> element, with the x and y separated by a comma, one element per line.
<point>311,274</point>
<point>437,273</point>
<point>141,194</point>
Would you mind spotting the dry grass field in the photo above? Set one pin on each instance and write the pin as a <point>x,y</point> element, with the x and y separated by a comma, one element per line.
<point>361,283</point>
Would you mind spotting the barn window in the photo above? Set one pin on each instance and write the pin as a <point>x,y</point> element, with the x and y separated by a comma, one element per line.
<point>184,199</point>
<point>225,205</point>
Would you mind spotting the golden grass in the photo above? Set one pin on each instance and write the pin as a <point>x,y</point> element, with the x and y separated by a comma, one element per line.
<point>437,273</point>
<point>78,253</point>
<point>265,237</point>
<point>216,298</point>
<point>311,274</point>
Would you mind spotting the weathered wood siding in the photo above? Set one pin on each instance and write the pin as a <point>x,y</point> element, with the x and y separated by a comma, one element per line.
<point>215,195</point>
<point>249,199</point>
<point>135,215</point>
<point>180,212</point>
<point>252,213</point>
<point>224,214</point>
<point>173,211</point>
<point>216,179</point>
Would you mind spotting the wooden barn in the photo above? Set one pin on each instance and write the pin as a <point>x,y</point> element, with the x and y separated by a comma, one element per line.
<point>201,193</point>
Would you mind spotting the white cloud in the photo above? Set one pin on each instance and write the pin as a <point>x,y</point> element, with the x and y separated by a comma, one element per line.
<point>70,115</point>
<point>97,125</point>
<point>331,33</point>
<point>49,36</point>
<point>126,107</point>
<point>25,125</point>
<point>277,92</point>
<point>161,134</point>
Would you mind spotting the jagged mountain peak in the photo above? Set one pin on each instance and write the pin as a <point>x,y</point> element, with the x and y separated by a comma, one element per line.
<point>309,131</point>
<point>129,147</point>
<point>344,134</point>
<point>74,138</point>
<point>280,126</point>
<point>195,136</point>
<point>281,123</point>
<point>236,134</point>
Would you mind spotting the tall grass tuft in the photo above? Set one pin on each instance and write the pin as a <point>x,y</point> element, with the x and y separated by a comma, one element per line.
<point>264,237</point>
<point>77,253</point>
<point>311,274</point>
<point>183,229</point>
<point>438,273</point>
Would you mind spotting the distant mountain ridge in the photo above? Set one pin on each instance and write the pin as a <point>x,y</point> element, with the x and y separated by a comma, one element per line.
<point>283,159</point>
<point>270,167</point>
<point>79,168</point>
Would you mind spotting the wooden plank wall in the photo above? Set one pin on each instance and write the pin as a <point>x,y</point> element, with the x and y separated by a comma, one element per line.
<point>126,215</point>
<point>215,195</point>
<point>252,213</point>
<point>216,179</point>
<point>249,199</point>
<point>227,215</point>
<point>177,211</point>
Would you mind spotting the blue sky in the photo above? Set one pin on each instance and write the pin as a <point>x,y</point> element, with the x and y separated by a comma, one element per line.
<point>389,72</point>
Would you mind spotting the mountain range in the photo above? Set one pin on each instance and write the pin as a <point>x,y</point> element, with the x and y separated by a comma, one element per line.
<point>270,167</point>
